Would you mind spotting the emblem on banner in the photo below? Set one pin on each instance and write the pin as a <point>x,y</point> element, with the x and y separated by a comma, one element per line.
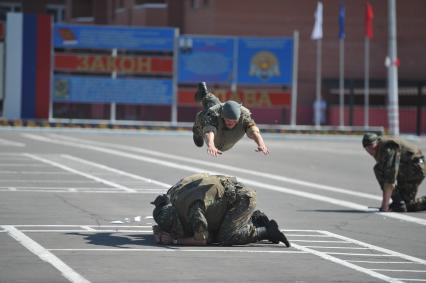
<point>61,88</point>
<point>264,65</point>
<point>67,36</point>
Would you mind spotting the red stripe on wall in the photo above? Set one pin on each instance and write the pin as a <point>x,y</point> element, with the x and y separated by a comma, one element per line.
<point>94,63</point>
<point>43,61</point>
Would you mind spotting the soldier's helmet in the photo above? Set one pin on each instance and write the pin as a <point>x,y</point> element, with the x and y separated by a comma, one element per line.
<point>369,138</point>
<point>231,110</point>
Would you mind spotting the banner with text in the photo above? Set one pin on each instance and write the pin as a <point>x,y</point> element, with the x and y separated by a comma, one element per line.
<point>106,37</point>
<point>89,89</point>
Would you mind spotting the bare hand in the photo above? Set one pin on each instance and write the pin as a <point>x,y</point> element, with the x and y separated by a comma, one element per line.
<point>212,150</point>
<point>384,209</point>
<point>262,149</point>
<point>164,238</point>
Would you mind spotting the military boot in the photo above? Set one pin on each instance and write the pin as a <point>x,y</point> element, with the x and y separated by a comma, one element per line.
<point>259,219</point>
<point>398,204</point>
<point>201,92</point>
<point>275,235</point>
<point>197,137</point>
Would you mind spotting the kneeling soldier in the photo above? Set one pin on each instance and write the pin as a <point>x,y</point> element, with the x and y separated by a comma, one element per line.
<point>206,209</point>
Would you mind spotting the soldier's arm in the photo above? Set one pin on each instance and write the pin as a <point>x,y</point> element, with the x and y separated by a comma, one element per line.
<point>211,147</point>
<point>210,124</point>
<point>391,159</point>
<point>253,133</point>
<point>199,227</point>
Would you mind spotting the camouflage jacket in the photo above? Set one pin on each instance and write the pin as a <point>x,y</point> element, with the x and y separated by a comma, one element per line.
<point>225,138</point>
<point>201,201</point>
<point>395,157</point>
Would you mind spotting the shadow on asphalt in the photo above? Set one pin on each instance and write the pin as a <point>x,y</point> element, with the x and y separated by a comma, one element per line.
<point>118,241</point>
<point>110,239</point>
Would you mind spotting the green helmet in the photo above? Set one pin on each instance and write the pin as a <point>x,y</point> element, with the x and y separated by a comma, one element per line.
<point>231,110</point>
<point>369,138</point>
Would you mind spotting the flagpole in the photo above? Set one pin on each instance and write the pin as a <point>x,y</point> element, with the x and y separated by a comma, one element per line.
<point>295,78</point>
<point>366,82</point>
<point>318,82</point>
<point>342,82</point>
<point>393,109</point>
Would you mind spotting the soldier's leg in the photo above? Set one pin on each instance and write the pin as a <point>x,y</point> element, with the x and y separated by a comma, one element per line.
<point>410,185</point>
<point>397,201</point>
<point>197,130</point>
<point>204,96</point>
<point>236,228</point>
<point>409,193</point>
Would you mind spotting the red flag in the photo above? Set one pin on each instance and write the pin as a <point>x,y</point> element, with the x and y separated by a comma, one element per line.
<point>369,20</point>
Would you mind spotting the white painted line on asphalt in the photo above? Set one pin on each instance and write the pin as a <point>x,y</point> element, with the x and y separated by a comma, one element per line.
<point>47,181</point>
<point>220,166</point>
<point>355,254</point>
<point>380,249</point>
<point>309,235</point>
<point>4,142</point>
<point>314,241</point>
<point>86,231</point>
<point>44,254</point>
<point>85,227</point>
<point>36,172</point>
<point>338,202</point>
<point>411,279</point>
<point>38,165</point>
<point>120,172</point>
<point>79,225</point>
<point>100,180</point>
<point>180,249</point>
<point>379,262</point>
<point>94,191</point>
<point>327,247</point>
<point>347,264</point>
<point>399,270</point>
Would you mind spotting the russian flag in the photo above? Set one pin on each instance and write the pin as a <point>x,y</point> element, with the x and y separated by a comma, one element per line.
<point>28,66</point>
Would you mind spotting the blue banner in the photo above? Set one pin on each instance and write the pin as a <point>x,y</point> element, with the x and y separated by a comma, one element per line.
<point>265,61</point>
<point>89,89</point>
<point>208,59</point>
<point>107,37</point>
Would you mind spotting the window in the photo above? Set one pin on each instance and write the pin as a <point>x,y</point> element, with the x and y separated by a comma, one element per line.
<point>150,3</point>
<point>9,7</point>
<point>198,4</point>
<point>57,11</point>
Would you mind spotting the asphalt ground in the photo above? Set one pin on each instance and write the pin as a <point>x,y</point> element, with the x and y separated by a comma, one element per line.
<point>74,207</point>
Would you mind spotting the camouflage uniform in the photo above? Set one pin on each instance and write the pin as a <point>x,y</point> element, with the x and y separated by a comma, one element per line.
<point>215,208</point>
<point>210,119</point>
<point>402,163</point>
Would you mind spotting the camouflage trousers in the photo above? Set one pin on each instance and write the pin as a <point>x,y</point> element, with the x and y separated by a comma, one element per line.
<point>208,101</point>
<point>409,178</point>
<point>237,228</point>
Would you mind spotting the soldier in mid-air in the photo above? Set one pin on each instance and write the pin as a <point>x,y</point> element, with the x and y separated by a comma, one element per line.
<point>222,125</point>
<point>204,209</point>
<point>400,169</point>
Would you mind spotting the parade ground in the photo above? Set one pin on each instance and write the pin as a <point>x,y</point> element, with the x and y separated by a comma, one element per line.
<point>75,207</point>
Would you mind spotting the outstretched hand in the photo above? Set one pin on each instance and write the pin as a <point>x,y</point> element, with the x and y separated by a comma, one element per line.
<point>212,150</point>
<point>262,149</point>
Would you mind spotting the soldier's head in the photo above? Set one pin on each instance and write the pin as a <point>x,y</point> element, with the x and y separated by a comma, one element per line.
<point>231,112</point>
<point>166,217</point>
<point>369,142</point>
